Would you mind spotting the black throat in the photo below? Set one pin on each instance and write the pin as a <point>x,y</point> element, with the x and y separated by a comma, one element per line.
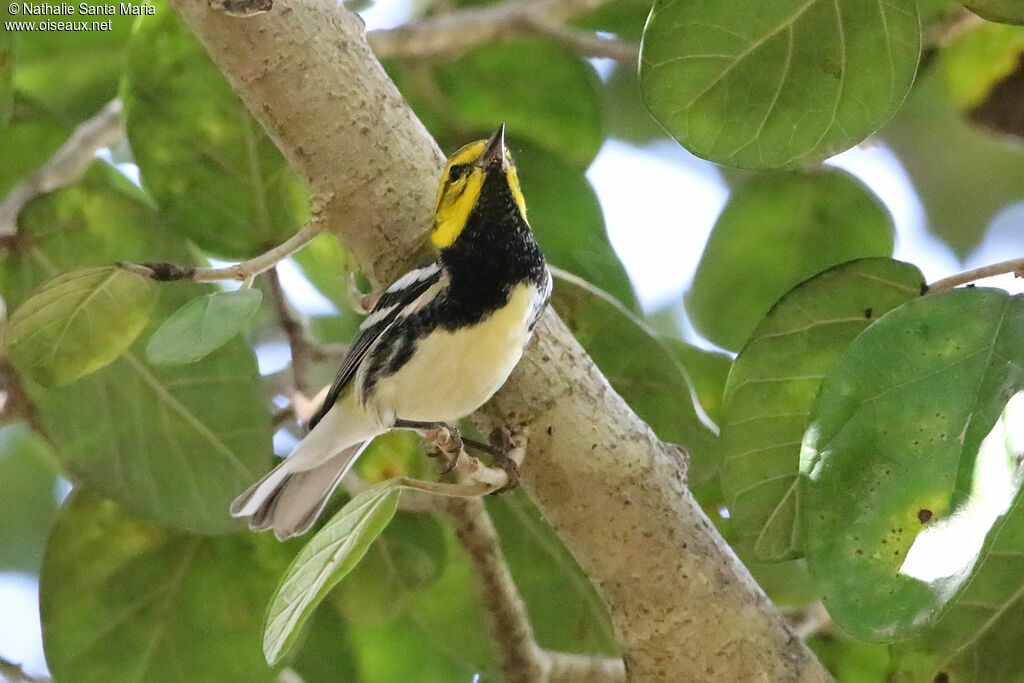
<point>494,252</point>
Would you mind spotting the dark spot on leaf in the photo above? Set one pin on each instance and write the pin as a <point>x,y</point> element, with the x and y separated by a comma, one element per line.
<point>941,677</point>
<point>549,430</point>
<point>860,551</point>
<point>923,515</point>
<point>867,313</point>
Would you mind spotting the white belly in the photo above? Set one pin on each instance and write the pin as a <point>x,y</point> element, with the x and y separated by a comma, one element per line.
<point>451,374</point>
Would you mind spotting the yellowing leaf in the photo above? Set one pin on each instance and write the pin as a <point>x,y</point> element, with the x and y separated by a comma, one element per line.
<point>77,323</point>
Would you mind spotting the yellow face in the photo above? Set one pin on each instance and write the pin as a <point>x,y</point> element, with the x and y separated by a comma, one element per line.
<point>461,183</point>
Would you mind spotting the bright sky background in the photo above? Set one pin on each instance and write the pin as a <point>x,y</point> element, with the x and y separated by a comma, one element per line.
<point>660,204</point>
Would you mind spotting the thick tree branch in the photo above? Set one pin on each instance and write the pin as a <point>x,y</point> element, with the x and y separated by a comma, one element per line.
<point>683,606</point>
<point>1015,266</point>
<point>66,166</point>
<point>456,32</point>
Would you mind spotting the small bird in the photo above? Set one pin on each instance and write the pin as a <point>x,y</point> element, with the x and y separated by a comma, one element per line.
<point>437,345</point>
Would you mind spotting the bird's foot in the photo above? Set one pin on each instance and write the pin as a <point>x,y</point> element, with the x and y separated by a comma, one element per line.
<point>448,445</point>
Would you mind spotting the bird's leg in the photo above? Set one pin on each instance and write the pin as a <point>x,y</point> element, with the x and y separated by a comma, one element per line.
<point>505,446</point>
<point>446,439</point>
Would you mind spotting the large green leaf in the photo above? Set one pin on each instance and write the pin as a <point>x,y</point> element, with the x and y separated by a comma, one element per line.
<point>28,487</point>
<point>177,444</point>
<point>977,639</point>
<point>124,600</point>
<point>963,175</point>
<point>1004,11</point>
<point>6,78</point>
<point>101,219</point>
<point>892,449</point>
<point>408,555</point>
<point>772,386</point>
<point>499,82</point>
<point>571,619</point>
<point>202,326</point>
<point>708,370</point>
<point>776,231</point>
<point>78,323</point>
<point>326,559</point>
<point>566,217</point>
<point>218,178</point>
<point>639,367</point>
<point>440,636</point>
<point>777,84</point>
<point>75,73</point>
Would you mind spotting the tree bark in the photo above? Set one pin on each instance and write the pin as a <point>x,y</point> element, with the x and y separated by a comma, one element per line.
<point>683,606</point>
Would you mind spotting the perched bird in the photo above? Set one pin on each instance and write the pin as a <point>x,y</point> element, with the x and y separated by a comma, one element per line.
<point>439,342</point>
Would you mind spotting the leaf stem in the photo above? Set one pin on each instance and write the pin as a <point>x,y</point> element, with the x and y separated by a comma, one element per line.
<point>242,272</point>
<point>1015,266</point>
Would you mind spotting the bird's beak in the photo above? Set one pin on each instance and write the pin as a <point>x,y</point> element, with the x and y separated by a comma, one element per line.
<point>494,151</point>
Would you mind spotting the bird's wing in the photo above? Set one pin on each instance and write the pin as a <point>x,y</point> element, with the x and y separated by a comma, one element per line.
<point>393,303</point>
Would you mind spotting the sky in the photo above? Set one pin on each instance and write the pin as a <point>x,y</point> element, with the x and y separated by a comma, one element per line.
<point>643,192</point>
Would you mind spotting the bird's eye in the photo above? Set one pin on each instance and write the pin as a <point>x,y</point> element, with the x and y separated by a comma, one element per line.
<point>458,171</point>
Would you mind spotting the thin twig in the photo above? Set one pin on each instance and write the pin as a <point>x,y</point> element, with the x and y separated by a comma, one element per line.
<point>566,666</point>
<point>294,330</point>
<point>520,658</point>
<point>1015,266</point>
<point>584,42</point>
<point>242,272</point>
<point>13,672</point>
<point>66,166</point>
<point>456,32</point>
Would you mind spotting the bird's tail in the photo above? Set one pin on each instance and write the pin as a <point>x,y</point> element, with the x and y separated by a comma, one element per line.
<point>288,499</point>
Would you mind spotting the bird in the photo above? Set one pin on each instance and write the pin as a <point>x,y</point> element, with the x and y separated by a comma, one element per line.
<point>438,343</point>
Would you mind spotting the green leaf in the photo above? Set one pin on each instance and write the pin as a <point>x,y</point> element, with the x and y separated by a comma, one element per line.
<point>202,326</point>
<point>976,641</point>
<point>409,554</point>
<point>177,444</point>
<point>570,619</point>
<point>218,178</point>
<point>978,60</point>
<point>78,323</point>
<point>326,559</point>
<point>963,175</point>
<point>566,218</point>
<point>438,637</point>
<point>639,367</point>
<point>778,84</point>
<point>31,136</point>
<point>28,487</point>
<point>772,385</point>
<point>1002,11</point>
<point>326,265</point>
<point>892,449</point>
<point>469,96</point>
<point>75,73</point>
<point>104,218</point>
<point>6,78</point>
<point>707,370</point>
<point>122,599</point>
<point>499,83</point>
<point>776,231</point>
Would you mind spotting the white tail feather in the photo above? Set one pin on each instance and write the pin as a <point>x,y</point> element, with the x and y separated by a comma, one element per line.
<point>288,500</point>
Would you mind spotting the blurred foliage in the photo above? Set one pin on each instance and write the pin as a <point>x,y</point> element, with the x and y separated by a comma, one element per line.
<point>883,395</point>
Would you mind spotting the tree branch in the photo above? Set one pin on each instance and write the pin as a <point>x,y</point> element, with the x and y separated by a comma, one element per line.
<point>683,606</point>
<point>456,32</point>
<point>66,166</point>
<point>565,666</point>
<point>1015,266</point>
<point>300,346</point>
<point>243,272</point>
